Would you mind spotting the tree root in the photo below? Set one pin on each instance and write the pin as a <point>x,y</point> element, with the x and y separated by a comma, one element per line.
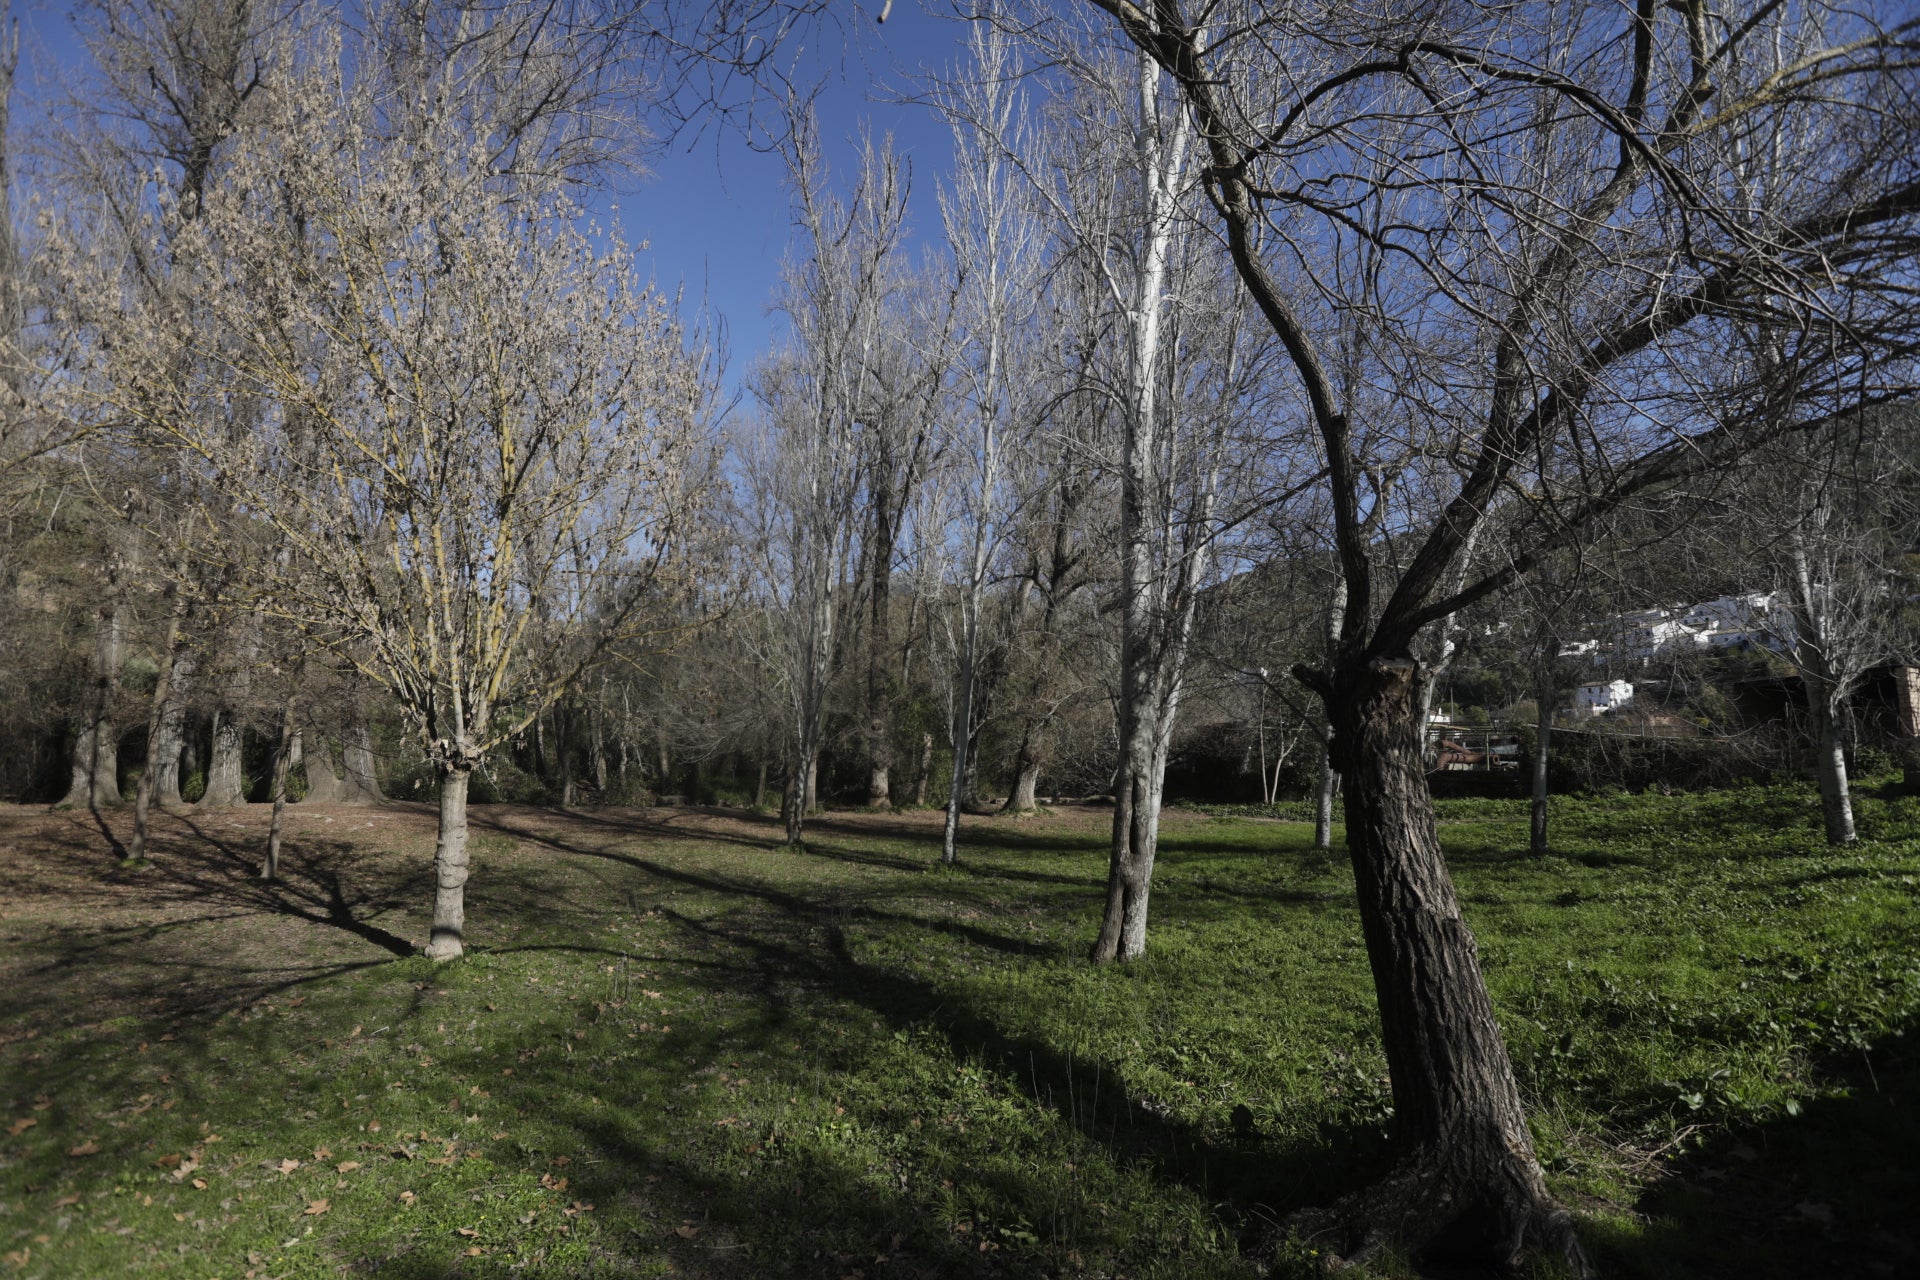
<point>1428,1210</point>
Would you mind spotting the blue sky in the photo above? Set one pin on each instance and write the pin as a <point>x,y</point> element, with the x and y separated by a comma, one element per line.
<point>713,211</point>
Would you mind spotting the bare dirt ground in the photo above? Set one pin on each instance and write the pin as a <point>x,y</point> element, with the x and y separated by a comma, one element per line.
<point>85,938</point>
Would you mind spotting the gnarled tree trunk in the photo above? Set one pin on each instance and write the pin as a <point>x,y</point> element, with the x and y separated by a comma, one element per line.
<point>1466,1178</point>
<point>1026,781</point>
<point>226,782</point>
<point>338,775</point>
<point>95,776</point>
<point>164,755</point>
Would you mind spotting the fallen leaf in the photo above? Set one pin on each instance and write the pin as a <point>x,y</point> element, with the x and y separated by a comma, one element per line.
<point>20,1126</point>
<point>64,1201</point>
<point>401,1153</point>
<point>407,1197</point>
<point>288,1165</point>
<point>474,1251</point>
<point>468,1232</point>
<point>42,1103</point>
<point>168,1161</point>
<point>199,1184</point>
<point>686,1232</point>
<point>322,1153</point>
<point>317,1208</point>
<point>346,1166</point>
<point>85,1149</point>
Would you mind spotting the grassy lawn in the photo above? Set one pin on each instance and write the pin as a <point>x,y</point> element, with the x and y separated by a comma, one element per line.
<point>676,1050</point>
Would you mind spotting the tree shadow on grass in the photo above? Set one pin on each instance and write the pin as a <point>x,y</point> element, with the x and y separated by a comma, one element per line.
<point>1253,1183</point>
<point>1833,1191</point>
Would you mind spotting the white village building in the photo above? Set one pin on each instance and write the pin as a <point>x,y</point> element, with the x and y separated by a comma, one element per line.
<point>1602,696</point>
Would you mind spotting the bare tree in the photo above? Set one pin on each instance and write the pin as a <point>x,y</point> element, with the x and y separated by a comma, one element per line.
<point>1572,266</point>
<point>804,491</point>
<point>1833,510</point>
<point>466,408</point>
<point>995,244</point>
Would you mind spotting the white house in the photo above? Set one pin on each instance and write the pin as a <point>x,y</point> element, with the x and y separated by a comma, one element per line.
<point>1609,695</point>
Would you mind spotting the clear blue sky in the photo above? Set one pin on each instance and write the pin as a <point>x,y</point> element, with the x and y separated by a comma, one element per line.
<point>713,211</point>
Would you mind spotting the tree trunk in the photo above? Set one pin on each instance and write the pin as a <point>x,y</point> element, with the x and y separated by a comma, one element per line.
<point>1329,771</point>
<point>95,777</point>
<point>226,785</point>
<point>1136,838</point>
<point>345,776</point>
<point>813,781</point>
<point>879,726</point>
<point>1026,781</point>
<point>363,781</point>
<point>1467,1180</point>
<point>926,770</point>
<point>793,796</point>
<point>1323,798</point>
<point>282,762</point>
<point>446,942</point>
<point>94,781</point>
<point>156,717</point>
<point>164,756</point>
<point>1542,744</point>
<point>760,784</point>
<point>1830,766</point>
<point>957,786</point>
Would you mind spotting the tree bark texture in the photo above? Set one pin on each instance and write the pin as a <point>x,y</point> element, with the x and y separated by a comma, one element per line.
<point>164,757</point>
<point>447,939</point>
<point>226,782</point>
<point>1136,838</point>
<point>1467,1179</point>
<point>162,693</point>
<point>1830,764</point>
<point>343,774</point>
<point>1323,798</point>
<point>95,774</point>
<point>1026,782</point>
<point>926,769</point>
<point>793,796</point>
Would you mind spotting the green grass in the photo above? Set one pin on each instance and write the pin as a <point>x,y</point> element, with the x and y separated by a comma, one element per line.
<point>742,1061</point>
